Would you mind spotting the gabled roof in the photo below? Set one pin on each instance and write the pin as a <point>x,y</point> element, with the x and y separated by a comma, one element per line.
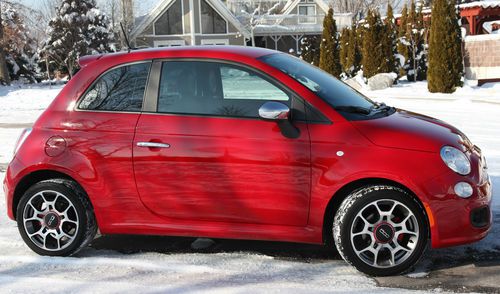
<point>291,4</point>
<point>153,15</point>
<point>481,4</point>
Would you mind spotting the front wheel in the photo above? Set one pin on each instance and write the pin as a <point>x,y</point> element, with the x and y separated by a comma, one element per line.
<point>56,218</point>
<point>380,230</point>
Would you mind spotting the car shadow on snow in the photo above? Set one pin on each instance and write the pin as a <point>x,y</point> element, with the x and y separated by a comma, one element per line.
<point>129,244</point>
<point>474,267</point>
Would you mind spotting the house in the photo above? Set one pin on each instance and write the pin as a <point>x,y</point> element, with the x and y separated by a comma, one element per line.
<point>274,24</point>
<point>480,21</point>
<point>477,17</point>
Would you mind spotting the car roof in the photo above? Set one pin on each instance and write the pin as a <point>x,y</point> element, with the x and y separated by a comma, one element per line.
<point>241,50</point>
<point>178,51</point>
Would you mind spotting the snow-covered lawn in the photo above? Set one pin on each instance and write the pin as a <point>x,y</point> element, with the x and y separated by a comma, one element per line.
<point>24,105</point>
<point>489,92</point>
<point>105,270</point>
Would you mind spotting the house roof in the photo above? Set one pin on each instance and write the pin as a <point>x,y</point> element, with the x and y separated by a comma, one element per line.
<point>291,4</point>
<point>153,15</point>
<point>482,4</point>
<point>287,23</point>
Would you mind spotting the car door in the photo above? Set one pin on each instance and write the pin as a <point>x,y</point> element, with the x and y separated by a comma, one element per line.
<point>205,154</point>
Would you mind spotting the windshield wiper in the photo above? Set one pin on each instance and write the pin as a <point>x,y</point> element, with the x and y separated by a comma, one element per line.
<point>354,109</point>
<point>382,107</point>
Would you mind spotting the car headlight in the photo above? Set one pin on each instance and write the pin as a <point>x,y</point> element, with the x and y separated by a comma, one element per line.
<point>456,160</point>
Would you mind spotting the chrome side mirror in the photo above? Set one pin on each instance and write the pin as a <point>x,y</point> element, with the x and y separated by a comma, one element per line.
<point>274,111</point>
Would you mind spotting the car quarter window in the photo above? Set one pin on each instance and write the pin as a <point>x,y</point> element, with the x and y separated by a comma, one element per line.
<point>214,88</point>
<point>120,89</point>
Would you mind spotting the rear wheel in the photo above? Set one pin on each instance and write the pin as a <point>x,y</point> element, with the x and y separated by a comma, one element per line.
<point>56,218</point>
<point>380,230</point>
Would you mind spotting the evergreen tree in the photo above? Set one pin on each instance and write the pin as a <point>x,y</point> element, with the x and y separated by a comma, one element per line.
<point>422,46</point>
<point>354,51</point>
<point>445,45</point>
<point>18,46</point>
<point>403,52</point>
<point>389,42</point>
<point>415,66</point>
<point>309,50</point>
<point>457,65</point>
<point>350,54</point>
<point>344,50</point>
<point>373,52</point>
<point>4,72</point>
<point>329,59</point>
<point>78,29</point>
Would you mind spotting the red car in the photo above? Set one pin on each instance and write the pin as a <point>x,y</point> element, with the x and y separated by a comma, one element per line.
<point>244,143</point>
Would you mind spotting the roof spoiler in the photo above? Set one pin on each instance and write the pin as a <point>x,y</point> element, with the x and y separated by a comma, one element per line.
<point>85,60</point>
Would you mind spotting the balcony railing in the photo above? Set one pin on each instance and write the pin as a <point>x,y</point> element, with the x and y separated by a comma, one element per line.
<point>289,24</point>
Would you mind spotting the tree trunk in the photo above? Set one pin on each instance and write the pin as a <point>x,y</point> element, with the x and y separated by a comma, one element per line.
<point>4,72</point>
<point>70,69</point>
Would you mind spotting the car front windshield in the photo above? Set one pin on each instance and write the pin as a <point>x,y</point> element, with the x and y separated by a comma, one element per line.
<point>334,92</point>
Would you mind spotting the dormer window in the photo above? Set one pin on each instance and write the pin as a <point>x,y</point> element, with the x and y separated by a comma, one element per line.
<point>307,13</point>
<point>211,21</point>
<point>170,23</point>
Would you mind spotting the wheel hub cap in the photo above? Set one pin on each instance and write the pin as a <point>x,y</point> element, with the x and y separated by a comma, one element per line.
<point>383,233</point>
<point>51,220</point>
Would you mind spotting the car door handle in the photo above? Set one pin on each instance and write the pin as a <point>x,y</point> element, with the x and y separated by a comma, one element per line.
<point>153,145</point>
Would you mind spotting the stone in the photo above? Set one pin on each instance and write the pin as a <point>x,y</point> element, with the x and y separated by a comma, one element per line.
<point>381,81</point>
<point>354,83</point>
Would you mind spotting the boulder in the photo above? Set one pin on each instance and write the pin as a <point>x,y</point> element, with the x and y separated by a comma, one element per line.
<point>354,83</point>
<point>381,81</point>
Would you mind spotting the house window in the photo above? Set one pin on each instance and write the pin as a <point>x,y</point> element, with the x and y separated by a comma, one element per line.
<point>211,21</point>
<point>170,23</point>
<point>169,43</point>
<point>214,42</point>
<point>307,13</point>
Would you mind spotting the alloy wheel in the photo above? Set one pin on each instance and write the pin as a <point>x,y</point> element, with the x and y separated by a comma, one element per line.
<point>384,233</point>
<point>50,220</point>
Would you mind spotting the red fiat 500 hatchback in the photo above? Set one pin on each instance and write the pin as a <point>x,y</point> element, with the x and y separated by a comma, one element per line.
<point>245,143</point>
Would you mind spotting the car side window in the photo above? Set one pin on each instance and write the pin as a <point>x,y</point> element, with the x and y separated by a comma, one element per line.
<point>121,89</point>
<point>216,89</point>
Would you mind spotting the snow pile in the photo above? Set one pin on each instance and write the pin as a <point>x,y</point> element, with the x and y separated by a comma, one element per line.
<point>489,92</point>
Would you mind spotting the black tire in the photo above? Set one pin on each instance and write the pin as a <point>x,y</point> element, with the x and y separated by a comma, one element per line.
<point>81,211</point>
<point>363,205</point>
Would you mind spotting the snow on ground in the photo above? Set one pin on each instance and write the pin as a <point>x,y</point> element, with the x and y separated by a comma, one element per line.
<point>109,271</point>
<point>26,103</point>
<point>489,92</point>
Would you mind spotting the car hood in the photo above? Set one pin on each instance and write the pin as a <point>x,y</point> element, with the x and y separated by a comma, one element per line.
<point>412,131</point>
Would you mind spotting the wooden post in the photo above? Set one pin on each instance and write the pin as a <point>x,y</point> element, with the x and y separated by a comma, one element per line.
<point>472,24</point>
